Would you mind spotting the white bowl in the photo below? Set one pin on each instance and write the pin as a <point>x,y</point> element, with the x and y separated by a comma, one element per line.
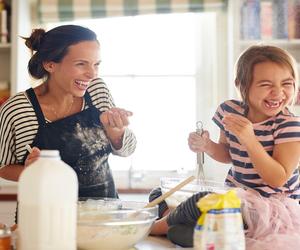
<point>121,226</point>
<point>166,183</point>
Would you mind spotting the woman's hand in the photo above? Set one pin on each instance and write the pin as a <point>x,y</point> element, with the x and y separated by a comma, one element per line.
<point>115,121</point>
<point>199,143</point>
<point>115,118</point>
<point>241,127</point>
<point>32,157</point>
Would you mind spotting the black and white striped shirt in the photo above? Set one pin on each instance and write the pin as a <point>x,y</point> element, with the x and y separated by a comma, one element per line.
<point>19,125</point>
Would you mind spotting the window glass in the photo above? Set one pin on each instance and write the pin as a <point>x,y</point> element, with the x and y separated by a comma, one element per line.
<point>149,65</point>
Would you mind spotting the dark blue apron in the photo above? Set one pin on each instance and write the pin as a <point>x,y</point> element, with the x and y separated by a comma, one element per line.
<point>82,144</point>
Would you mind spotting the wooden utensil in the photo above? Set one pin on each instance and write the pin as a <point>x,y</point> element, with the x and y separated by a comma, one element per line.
<point>170,192</point>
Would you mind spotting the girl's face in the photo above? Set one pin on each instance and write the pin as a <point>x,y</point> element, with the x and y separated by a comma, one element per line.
<point>77,69</point>
<point>271,90</point>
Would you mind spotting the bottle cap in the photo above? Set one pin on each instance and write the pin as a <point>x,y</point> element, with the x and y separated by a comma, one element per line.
<point>50,153</point>
<point>4,85</point>
<point>4,231</point>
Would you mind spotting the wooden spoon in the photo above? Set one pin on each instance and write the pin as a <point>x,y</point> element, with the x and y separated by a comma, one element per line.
<point>170,192</point>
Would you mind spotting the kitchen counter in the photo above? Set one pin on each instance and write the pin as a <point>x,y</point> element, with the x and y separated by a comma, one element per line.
<point>156,243</point>
<point>8,193</point>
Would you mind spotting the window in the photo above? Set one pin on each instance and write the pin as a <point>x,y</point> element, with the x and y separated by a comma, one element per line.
<point>155,66</point>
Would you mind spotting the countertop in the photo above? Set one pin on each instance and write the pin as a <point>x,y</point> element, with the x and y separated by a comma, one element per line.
<point>156,243</point>
<point>8,193</point>
<point>150,243</point>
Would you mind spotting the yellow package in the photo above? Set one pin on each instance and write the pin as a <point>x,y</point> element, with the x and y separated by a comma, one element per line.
<point>220,226</point>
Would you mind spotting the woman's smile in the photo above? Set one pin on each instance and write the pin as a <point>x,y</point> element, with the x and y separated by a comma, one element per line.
<point>82,85</point>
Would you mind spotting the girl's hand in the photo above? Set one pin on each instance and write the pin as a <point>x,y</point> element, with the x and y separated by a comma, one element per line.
<point>115,118</point>
<point>240,126</point>
<point>32,157</point>
<point>199,143</point>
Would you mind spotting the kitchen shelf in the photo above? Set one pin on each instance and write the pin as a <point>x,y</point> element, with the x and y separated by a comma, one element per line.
<point>13,55</point>
<point>237,44</point>
<point>5,45</point>
<point>278,42</point>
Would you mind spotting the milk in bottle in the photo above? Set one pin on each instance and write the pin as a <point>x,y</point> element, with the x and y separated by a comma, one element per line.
<point>47,204</point>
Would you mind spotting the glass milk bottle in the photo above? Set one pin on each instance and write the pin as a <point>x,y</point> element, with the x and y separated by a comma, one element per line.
<point>47,204</point>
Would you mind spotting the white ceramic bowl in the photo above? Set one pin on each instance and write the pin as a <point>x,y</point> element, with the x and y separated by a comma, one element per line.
<point>166,183</point>
<point>113,224</point>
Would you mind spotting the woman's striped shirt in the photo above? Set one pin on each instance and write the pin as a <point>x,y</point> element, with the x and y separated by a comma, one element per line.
<point>282,128</point>
<point>19,125</point>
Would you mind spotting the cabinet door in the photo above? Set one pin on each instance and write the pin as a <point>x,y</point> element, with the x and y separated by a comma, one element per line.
<point>14,55</point>
<point>20,54</point>
<point>7,212</point>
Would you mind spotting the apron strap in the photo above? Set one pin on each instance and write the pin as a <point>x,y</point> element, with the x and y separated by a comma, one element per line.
<point>89,102</point>
<point>36,106</point>
<point>88,99</point>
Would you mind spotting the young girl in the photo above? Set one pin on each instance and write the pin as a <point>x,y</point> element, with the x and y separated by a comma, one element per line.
<point>260,137</point>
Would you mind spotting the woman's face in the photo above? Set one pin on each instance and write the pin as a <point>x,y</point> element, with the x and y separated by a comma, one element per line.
<point>77,69</point>
<point>271,90</point>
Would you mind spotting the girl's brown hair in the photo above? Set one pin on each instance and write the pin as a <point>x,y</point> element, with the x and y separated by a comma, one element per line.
<point>258,54</point>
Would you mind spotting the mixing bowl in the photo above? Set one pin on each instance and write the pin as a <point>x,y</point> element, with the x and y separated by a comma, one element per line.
<point>166,183</point>
<point>112,224</point>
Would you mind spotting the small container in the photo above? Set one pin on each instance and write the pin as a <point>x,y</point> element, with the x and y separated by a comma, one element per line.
<point>5,238</point>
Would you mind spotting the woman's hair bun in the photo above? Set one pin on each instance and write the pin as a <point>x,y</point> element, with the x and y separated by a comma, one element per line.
<point>35,40</point>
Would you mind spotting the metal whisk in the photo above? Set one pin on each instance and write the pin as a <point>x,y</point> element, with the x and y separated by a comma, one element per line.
<point>200,156</point>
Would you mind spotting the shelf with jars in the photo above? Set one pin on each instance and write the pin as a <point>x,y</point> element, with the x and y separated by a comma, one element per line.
<point>273,22</point>
<point>14,23</point>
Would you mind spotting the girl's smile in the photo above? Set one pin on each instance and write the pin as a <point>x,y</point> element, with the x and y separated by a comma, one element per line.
<point>274,104</point>
<point>271,91</point>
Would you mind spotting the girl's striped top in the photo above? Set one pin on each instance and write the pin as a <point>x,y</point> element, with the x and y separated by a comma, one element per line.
<point>19,125</point>
<point>282,128</point>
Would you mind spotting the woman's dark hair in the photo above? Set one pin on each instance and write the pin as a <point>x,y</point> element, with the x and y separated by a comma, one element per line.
<point>53,46</point>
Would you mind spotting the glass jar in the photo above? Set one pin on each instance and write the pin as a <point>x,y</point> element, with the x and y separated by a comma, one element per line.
<point>5,238</point>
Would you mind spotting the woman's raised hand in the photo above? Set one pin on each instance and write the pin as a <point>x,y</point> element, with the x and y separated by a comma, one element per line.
<point>115,118</point>
<point>115,121</point>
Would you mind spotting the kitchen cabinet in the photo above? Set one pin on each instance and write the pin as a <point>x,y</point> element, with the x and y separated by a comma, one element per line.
<point>7,204</point>
<point>14,55</point>
<point>262,22</point>
<point>7,212</point>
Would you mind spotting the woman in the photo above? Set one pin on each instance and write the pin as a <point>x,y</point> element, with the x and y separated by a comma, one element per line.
<point>71,111</point>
